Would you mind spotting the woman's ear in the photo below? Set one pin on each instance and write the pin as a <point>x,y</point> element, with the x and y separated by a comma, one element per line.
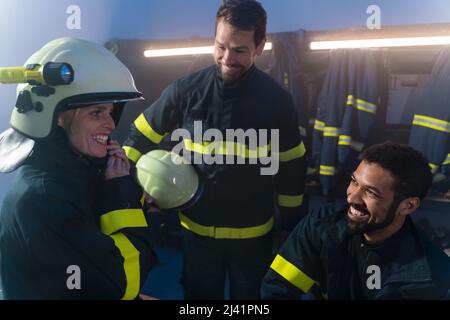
<point>60,120</point>
<point>409,205</point>
<point>65,118</point>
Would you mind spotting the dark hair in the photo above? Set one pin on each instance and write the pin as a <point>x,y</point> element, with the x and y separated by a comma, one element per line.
<point>246,15</point>
<point>409,167</point>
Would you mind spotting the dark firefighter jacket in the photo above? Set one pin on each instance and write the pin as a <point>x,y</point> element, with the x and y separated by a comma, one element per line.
<point>285,66</point>
<point>318,259</point>
<point>430,131</point>
<point>60,219</point>
<point>238,201</point>
<point>347,109</point>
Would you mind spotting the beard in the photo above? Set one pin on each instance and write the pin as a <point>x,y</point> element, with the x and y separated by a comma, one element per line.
<point>237,71</point>
<point>355,227</point>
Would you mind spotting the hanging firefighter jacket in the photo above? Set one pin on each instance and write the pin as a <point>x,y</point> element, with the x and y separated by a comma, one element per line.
<point>346,112</point>
<point>430,131</point>
<point>285,67</point>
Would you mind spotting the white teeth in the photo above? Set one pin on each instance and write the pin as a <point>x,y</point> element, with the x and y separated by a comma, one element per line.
<point>356,212</point>
<point>101,138</point>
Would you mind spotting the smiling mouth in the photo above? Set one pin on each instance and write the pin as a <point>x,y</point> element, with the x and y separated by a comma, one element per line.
<point>230,66</point>
<point>100,138</point>
<point>226,68</point>
<point>357,215</point>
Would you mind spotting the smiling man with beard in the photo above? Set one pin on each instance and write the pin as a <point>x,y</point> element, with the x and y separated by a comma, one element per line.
<point>368,248</point>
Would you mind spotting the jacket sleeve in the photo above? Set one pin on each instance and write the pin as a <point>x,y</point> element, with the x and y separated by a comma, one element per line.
<point>290,178</point>
<point>151,126</point>
<point>295,270</point>
<point>79,255</point>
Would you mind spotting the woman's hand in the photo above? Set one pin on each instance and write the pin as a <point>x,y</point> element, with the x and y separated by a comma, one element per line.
<point>117,164</point>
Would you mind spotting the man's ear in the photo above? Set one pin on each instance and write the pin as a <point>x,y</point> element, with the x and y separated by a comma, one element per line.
<point>408,205</point>
<point>260,47</point>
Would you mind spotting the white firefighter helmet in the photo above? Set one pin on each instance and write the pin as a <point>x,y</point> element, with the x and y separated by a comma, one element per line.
<point>168,178</point>
<point>97,77</point>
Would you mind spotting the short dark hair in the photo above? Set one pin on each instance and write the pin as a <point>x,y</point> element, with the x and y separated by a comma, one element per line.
<point>246,15</point>
<point>408,166</point>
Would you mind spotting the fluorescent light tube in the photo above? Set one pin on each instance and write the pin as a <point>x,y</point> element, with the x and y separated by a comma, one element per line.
<point>380,43</point>
<point>186,51</point>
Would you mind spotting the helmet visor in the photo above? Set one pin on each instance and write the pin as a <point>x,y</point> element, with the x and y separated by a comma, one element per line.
<point>98,98</point>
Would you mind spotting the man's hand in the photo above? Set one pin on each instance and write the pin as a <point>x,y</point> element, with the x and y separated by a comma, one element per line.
<point>148,198</point>
<point>117,164</point>
<point>151,205</point>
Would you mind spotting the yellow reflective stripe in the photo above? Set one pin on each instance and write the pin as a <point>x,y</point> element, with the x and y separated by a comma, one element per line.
<point>434,167</point>
<point>344,140</point>
<point>292,274</point>
<point>144,127</point>
<point>361,104</point>
<point>290,201</point>
<point>132,153</point>
<point>327,170</point>
<point>319,125</point>
<point>447,160</point>
<point>115,220</point>
<point>142,200</point>
<point>224,232</point>
<point>227,148</point>
<point>347,141</point>
<point>195,227</point>
<point>432,123</point>
<point>294,153</point>
<point>366,106</point>
<point>130,264</point>
<point>331,132</point>
<point>350,99</point>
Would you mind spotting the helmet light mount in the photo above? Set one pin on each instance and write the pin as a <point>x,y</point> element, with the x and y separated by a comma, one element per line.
<point>51,74</point>
<point>41,77</point>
